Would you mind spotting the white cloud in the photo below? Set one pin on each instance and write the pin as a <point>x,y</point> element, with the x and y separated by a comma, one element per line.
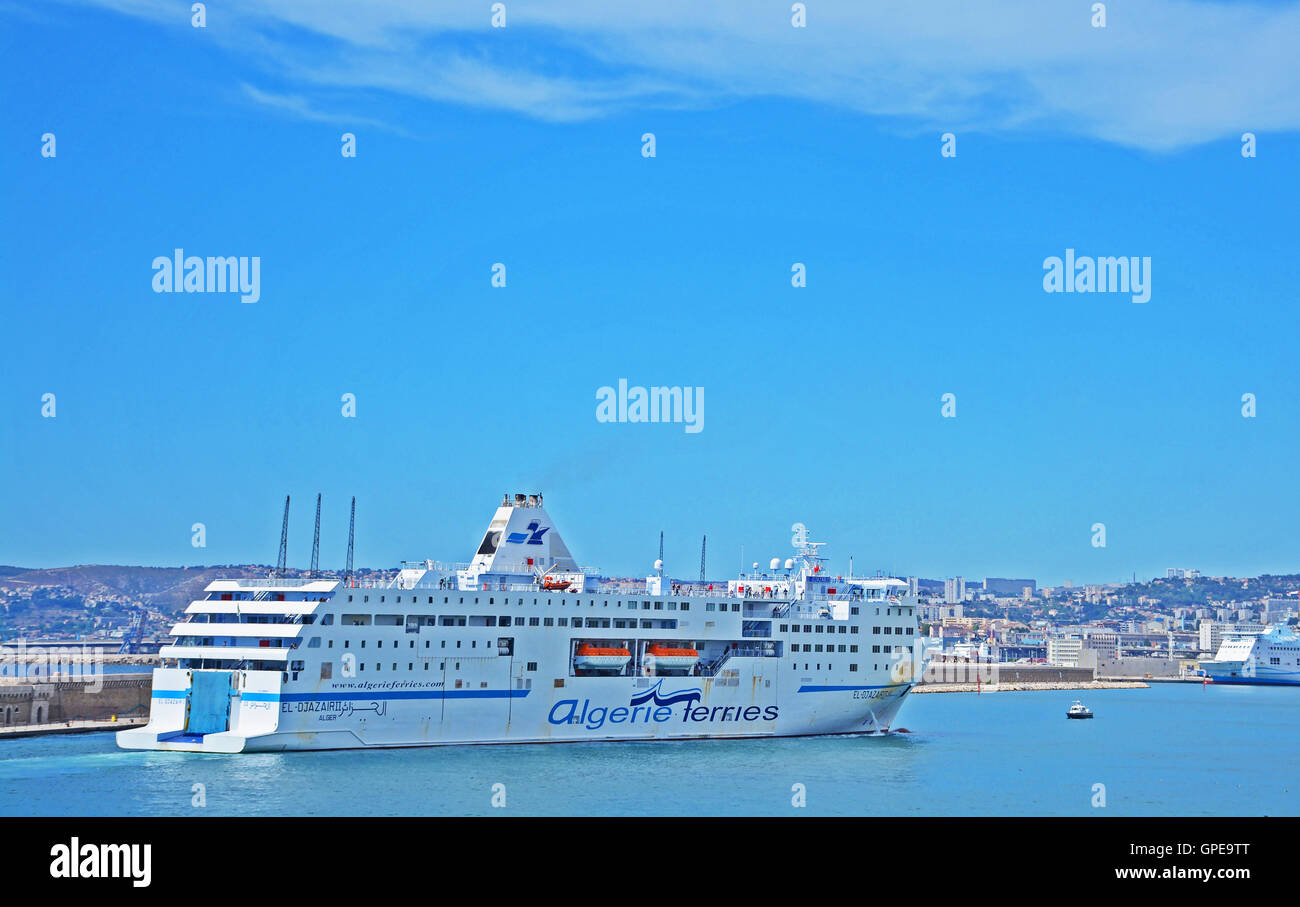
<point>1163,74</point>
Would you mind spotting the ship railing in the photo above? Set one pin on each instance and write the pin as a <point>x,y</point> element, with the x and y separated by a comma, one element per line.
<point>714,666</point>
<point>268,582</point>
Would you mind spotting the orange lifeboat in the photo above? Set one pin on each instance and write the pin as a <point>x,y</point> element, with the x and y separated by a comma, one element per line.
<point>555,585</point>
<point>667,658</point>
<point>597,658</point>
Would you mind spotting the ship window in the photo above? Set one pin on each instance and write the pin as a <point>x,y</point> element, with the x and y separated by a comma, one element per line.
<point>559,682</point>
<point>349,598</point>
<point>491,601</point>
<point>672,606</point>
<point>327,620</point>
<point>361,667</point>
<point>549,622</point>
<point>426,666</point>
<point>356,620</point>
<point>686,606</point>
<point>853,667</point>
<point>577,621</point>
<point>533,621</point>
<point>708,606</point>
<point>532,666</point>
<point>853,648</point>
<point>313,643</point>
<point>563,622</point>
<point>659,606</point>
<point>326,670</point>
<point>442,666</point>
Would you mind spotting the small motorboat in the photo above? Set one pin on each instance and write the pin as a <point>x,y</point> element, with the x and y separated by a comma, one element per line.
<point>1079,710</point>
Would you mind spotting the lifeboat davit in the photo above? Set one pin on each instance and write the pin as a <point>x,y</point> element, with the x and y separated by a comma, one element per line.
<point>670,659</point>
<point>555,585</point>
<point>596,658</point>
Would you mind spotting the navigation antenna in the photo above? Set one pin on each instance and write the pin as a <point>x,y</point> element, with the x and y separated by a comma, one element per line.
<point>703,545</point>
<point>315,541</point>
<point>284,540</point>
<point>352,522</point>
<point>661,551</point>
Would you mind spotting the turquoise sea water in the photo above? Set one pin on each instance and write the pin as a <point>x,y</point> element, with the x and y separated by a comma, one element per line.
<point>1172,749</point>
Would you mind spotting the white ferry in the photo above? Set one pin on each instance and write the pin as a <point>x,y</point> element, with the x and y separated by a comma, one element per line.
<point>522,645</point>
<point>1271,657</point>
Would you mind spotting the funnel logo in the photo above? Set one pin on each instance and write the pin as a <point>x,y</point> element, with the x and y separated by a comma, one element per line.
<point>652,695</point>
<point>532,535</point>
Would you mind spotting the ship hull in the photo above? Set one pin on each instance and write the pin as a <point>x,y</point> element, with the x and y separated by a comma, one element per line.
<point>585,710</point>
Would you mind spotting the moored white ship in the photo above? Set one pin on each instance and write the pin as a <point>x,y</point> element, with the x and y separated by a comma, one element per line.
<point>1271,657</point>
<point>522,645</point>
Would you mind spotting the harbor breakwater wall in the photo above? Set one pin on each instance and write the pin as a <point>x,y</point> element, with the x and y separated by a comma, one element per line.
<point>968,672</point>
<point>25,703</point>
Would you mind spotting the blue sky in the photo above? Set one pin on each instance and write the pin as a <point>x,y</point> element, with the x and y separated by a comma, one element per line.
<point>822,404</point>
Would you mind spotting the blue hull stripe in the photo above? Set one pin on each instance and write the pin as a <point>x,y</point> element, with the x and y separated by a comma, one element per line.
<point>808,689</point>
<point>1255,682</point>
<point>381,694</point>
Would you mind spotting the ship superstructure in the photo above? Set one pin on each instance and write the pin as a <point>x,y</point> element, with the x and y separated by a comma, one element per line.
<point>523,645</point>
<point>1271,657</point>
